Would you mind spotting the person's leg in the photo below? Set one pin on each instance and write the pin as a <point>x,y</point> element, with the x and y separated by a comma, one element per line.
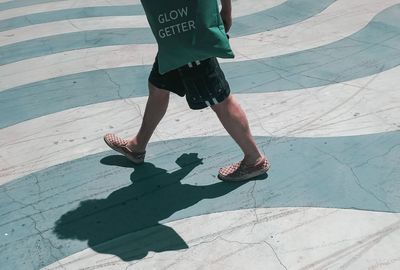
<point>206,85</point>
<point>234,120</point>
<point>156,107</point>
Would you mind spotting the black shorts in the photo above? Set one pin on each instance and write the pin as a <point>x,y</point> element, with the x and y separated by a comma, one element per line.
<point>203,82</point>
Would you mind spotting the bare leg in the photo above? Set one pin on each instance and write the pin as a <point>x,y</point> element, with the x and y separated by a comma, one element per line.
<point>234,120</point>
<point>156,107</point>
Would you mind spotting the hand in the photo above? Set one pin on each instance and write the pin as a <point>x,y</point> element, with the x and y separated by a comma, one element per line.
<point>189,159</point>
<point>227,19</point>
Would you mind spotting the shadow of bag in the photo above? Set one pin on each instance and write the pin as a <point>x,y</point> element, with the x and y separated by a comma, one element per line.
<point>186,31</point>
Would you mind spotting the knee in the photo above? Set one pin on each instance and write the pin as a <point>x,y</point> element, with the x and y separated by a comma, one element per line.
<point>223,106</point>
<point>158,93</point>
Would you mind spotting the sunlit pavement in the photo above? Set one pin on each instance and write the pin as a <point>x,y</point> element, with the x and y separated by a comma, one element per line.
<point>319,81</point>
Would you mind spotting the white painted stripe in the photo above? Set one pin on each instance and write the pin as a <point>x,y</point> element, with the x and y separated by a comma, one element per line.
<point>70,26</point>
<point>339,20</point>
<point>61,5</point>
<point>263,238</point>
<point>71,62</point>
<point>239,8</point>
<point>323,29</point>
<point>246,7</point>
<point>363,106</point>
<point>341,13</point>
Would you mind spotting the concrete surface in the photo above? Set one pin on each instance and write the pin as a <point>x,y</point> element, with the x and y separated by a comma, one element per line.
<point>319,81</point>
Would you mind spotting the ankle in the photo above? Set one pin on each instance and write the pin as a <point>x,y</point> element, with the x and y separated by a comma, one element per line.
<point>135,146</point>
<point>253,160</point>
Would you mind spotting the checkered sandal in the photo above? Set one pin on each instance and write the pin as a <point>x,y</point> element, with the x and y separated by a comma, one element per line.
<point>242,172</point>
<point>121,146</point>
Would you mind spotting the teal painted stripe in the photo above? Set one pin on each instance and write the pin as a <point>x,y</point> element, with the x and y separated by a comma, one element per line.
<point>374,49</point>
<point>74,41</point>
<point>288,13</point>
<point>70,14</point>
<point>87,201</point>
<point>23,3</point>
<point>71,41</point>
<point>23,103</point>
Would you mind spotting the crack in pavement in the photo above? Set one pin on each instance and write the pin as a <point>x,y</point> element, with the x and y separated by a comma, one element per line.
<point>357,179</point>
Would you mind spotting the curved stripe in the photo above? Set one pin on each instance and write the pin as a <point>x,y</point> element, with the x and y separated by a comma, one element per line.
<point>62,28</point>
<point>328,25</point>
<point>275,236</point>
<point>364,106</point>
<point>74,40</point>
<point>244,7</point>
<point>341,19</point>
<point>44,20</point>
<point>57,11</point>
<point>38,29</point>
<point>351,58</point>
<point>61,6</point>
<point>23,3</point>
<point>73,202</point>
<point>86,40</point>
<point>289,12</point>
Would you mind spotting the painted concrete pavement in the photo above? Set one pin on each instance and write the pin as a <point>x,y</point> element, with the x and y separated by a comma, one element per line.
<point>319,81</point>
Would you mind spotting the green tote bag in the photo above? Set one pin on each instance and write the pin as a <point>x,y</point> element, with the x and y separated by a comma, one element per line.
<point>186,31</point>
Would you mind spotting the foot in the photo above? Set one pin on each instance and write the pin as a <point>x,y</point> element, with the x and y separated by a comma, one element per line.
<point>123,146</point>
<point>134,146</point>
<point>241,171</point>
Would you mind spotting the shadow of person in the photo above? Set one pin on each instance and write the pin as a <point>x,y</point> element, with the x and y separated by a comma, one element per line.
<point>135,211</point>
